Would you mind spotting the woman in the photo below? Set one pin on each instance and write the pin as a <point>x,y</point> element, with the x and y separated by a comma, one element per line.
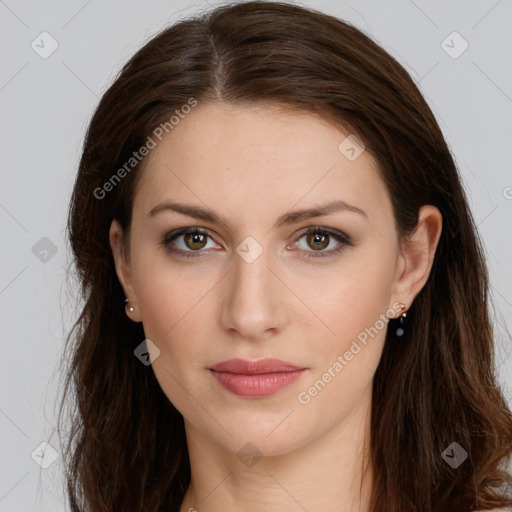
<point>285,297</point>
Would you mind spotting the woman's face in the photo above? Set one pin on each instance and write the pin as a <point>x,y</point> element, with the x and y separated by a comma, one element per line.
<point>254,284</point>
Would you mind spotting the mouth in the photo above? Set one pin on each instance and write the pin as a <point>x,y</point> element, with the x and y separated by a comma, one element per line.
<point>256,379</point>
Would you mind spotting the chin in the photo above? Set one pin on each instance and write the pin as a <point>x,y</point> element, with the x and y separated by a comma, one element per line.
<point>260,434</point>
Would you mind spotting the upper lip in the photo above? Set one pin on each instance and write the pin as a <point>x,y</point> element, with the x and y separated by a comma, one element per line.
<point>243,366</point>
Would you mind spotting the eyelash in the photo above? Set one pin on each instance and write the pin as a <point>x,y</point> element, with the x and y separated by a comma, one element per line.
<point>340,237</point>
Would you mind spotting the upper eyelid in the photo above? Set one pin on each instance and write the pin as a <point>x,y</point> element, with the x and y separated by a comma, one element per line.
<point>191,229</point>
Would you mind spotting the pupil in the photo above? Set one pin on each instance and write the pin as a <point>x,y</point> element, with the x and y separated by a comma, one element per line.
<point>196,238</point>
<point>318,238</point>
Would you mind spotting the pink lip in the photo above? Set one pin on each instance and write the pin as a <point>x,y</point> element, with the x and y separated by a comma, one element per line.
<point>256,378</point>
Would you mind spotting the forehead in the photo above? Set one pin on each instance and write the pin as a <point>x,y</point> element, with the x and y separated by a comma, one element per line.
<point>238,159</point>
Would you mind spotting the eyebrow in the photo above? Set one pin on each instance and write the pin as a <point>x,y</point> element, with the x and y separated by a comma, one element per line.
<point>291,217</point>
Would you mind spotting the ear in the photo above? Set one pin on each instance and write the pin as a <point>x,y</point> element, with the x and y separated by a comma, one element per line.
<point>417,255</point>
<point>122,263</point>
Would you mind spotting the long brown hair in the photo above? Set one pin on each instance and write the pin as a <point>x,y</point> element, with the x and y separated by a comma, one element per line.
<point>125,447</point>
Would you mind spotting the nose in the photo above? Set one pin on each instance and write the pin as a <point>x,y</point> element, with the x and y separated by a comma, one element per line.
<point>252,308</point>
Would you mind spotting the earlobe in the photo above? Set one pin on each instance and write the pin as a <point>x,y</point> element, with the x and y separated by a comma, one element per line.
<point>418,253</point>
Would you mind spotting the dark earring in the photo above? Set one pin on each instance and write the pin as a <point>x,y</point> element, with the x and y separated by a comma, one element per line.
<point>401,328</point>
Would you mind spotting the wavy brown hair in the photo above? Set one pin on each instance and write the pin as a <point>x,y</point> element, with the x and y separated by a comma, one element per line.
<point>125,447</point>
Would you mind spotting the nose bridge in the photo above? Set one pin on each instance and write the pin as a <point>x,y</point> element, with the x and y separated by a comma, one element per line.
<point>251,306</point>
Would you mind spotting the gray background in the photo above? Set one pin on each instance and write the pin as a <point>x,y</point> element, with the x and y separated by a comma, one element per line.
<point>46,104</point>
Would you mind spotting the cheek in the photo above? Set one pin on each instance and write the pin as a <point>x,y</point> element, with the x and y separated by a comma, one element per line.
<point>170,306</point>
<point>355,310</point>
<point>167,294</point>
<point>354,300</point>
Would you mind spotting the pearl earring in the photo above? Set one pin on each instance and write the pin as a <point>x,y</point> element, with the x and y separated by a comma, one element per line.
<point>130,308</point>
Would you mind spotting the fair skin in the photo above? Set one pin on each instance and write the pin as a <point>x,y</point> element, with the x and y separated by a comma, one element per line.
<point>250,166</point>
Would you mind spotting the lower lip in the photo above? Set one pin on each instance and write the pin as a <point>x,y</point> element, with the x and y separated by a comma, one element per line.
<point>256,386</point>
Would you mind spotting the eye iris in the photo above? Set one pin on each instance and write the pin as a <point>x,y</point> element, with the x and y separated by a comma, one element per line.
<point>197,238</point>
<point>318,239</point>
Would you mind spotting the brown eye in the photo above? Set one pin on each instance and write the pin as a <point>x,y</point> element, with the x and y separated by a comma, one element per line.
<point>187,242</point>
<point>317,241</point>
<point>194,241</point>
